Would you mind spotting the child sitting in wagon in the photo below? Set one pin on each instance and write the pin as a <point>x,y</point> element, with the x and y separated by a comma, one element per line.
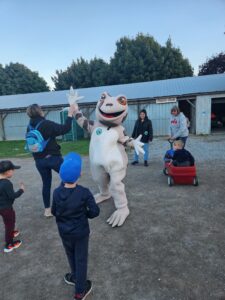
<point>181,157</point>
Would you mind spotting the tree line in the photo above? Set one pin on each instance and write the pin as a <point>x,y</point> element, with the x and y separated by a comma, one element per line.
<point>16,78</point>
<point>136,59</point>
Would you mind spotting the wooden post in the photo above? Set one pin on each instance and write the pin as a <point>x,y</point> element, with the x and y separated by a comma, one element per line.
<point>138,109</point>
<point>2,127</point>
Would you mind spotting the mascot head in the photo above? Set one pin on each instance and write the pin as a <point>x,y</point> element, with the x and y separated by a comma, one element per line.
<point>111,111</point>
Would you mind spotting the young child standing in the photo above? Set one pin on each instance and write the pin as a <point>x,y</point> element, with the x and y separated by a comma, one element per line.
<point>72,205</point>
<point>7,197</point>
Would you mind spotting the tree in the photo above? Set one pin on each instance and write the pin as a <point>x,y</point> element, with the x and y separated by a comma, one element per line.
<point>16,78</point>
<point>173,63</point>
<point>82,74</point>
<point>3,81</point>
<point>135,60</point>
<point>143,59</point>
<point>213,65</point>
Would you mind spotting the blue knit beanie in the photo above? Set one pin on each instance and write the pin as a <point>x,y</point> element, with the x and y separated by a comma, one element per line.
<point>70,169</point>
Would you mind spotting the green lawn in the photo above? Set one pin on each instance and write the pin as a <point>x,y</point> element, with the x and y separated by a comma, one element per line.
<point>16,148</point>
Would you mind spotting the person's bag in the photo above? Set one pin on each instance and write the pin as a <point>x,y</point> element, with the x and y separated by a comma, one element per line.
<point>34,139</point>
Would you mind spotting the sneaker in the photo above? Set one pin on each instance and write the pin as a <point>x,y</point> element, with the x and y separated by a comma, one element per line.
<point>134,162</point>
<point>48,213</point>
<point>145,163</point>
<point>69,279</point>
<point>86,292</point>
<point>11,247</point>
<point>16,233</point>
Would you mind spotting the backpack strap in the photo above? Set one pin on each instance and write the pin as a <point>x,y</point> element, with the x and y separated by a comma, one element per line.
<point>38,124</point>
<point>36,127</point>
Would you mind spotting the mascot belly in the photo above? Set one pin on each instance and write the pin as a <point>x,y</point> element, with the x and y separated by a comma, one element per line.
<point>104,149</point>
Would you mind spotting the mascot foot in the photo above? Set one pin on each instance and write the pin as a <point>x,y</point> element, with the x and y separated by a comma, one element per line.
<point>119,216</point>
<point>100,198</point>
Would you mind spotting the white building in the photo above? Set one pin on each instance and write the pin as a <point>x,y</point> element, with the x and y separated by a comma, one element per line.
<point>197,97</point>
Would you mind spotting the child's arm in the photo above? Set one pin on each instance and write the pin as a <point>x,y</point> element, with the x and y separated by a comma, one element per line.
<point>10,191</point>
<point>92,208</point>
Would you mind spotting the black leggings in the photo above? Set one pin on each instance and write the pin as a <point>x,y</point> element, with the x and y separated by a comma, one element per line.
<point>45,167</point>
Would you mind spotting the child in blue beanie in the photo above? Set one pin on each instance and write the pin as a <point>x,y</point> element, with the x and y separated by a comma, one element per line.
<point>72,206</point>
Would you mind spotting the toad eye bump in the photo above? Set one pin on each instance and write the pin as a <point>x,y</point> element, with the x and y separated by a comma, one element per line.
<point>122,100</point>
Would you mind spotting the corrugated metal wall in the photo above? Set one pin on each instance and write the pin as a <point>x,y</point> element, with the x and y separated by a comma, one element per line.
<point>203,114</point>
<point>158,113</point>
<point>16,123</point>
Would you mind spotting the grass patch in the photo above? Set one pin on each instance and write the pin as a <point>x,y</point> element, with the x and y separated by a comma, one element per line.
<point>16,148</point>
<point>81,147</point>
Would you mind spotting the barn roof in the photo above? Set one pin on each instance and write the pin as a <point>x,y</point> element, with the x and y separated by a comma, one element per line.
<point>133,91</point>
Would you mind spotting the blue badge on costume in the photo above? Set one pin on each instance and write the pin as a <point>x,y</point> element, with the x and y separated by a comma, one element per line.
<point>146,133</point>
<point>99,131</point>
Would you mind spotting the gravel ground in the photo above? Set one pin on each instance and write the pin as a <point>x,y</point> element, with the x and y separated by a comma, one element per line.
<point>171,247</point>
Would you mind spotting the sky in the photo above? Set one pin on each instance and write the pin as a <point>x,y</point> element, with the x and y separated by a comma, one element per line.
<point>47,35</point>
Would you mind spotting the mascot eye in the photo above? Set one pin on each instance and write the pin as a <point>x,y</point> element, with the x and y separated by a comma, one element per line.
<point>103,96</point>
<point>122,100</point>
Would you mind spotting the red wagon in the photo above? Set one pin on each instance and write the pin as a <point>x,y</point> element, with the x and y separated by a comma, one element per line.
<point>181,175</point>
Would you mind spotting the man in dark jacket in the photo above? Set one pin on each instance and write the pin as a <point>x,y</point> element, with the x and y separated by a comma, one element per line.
<point>143,126</point>
<point>72,206</point>
<point>50,158</point>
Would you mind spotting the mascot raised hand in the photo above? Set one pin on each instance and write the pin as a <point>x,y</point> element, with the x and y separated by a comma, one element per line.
<point>108,158</point>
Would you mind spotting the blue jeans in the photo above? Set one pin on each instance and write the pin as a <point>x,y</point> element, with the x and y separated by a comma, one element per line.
<point>146,155</point>
<point>77,254</point>
<point>45,167</point>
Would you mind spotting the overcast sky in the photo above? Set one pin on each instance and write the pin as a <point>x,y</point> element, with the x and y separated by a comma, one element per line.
<point>46,35</point>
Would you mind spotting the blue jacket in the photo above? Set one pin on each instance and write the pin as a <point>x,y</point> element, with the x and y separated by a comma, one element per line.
<point>72,207</point>
<point>169,155</point>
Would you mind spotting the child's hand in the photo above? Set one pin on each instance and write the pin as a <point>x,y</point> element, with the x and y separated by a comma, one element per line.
<point>22,187</point>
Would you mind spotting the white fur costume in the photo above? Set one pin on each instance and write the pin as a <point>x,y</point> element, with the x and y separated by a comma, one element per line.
<point>108,158</point>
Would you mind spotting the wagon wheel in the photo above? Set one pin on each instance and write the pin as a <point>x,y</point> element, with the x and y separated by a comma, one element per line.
<point>170,181</point>
<point>195,181</point>
<point>165,171</point>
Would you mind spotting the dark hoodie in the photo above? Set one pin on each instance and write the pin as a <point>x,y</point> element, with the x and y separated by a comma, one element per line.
<point>72,208</point>
<point>7,194</point>
<point>50,130</point>
<point>144,128</point>
<point>183,156</point>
